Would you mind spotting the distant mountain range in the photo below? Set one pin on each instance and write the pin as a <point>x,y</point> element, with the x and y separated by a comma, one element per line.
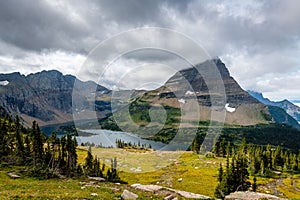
<point>47,98</point>
<point>290,108</point>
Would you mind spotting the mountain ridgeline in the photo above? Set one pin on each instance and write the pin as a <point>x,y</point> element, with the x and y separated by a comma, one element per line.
<point>246,117</point>
<point>279,108</point>
<point>45,96</point>
<point>186,98</point>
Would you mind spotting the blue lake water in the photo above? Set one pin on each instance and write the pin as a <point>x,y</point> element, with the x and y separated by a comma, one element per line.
<point>107,138</point>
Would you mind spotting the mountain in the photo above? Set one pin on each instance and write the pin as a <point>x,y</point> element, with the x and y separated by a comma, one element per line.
<point>47,98</point>
<point>44,96</point>
<point>287,106</point>
<point>246,117</point>
<point>241,108</point>
<point>185,103</point>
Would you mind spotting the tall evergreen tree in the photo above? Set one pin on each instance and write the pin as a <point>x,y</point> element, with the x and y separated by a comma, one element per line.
<point>88,166</point>
<point>37,144</point>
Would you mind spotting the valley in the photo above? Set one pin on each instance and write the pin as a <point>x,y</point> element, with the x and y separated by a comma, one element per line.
<point>180,137</point>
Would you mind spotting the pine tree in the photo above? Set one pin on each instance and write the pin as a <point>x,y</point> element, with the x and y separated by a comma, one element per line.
<point>37,144</point>
<point>63,145</point>
<point>216,148</point>
<point>262,168</point>
<point>71,153</point>
<point>19,139</point>
<point>294,162</point>
<point>27,151</point>
<point>88,166</point>
<point>278,159</point>
<point>223,147</point>
<point>220,173</point>
<point>196,143</point>
<point>228,149</point>
<point>4,139</point>
<point>242,174</point>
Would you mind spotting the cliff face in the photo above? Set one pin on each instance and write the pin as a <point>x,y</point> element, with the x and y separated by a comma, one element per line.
<point>235,95</point>
<point>241,108</point>
<point>45,96</point>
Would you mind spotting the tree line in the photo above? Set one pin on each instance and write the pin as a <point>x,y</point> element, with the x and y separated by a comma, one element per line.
<point>123,145</point>
<point>47,157</point>
<point>249,159</point>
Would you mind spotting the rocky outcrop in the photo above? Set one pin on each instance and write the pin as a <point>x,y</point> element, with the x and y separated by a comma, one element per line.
<point>155,188</point>
<point>250,196</point>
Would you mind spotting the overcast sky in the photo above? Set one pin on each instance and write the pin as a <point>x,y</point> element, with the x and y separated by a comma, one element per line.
<point>259,41</point>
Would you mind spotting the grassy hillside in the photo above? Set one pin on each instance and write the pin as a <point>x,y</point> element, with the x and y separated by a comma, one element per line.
<point>198,173</point>
<point>32,188</point>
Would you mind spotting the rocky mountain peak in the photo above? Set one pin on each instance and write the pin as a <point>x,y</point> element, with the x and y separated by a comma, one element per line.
<point>234,93</point>
<point>289,112</point>
<point>44,96</point>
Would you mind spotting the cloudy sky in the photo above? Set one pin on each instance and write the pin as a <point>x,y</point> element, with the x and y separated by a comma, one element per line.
<point>259,41</point>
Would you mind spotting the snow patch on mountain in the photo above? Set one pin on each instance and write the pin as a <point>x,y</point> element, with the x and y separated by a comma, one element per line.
<point>4,83</point>
<point>189,93</point>
<point>181,101</point>
<point>229,109</point>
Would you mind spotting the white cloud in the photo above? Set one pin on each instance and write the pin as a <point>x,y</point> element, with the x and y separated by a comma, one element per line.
<point>31,62</point>
<point>258,40</point>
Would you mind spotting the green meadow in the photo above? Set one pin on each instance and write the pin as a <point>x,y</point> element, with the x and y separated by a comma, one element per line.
<point>178,170</point>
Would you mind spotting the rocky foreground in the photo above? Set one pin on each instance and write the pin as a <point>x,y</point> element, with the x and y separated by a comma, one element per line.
<point>172,194</point>
<point>250,196</point>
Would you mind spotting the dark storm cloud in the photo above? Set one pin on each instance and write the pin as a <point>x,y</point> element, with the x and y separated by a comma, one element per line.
<point>34,25</point>
<point>79,25</point>
<point>73,25</point>
<point>258,40</point>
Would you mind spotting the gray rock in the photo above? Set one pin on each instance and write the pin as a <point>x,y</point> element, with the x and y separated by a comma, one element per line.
<point>129,195</point>
<point>96,178</point>
<point>190,195</point>
<point>170,197</point>
<point>250,196</point>
<point>147,188</point>
<point>13,175</point>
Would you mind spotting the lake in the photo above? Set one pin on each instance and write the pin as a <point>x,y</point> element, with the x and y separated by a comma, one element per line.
<point>107,138</point>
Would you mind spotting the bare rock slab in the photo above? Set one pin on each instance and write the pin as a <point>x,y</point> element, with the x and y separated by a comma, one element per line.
<point>96,179</point>
<point>13,175</point>
<point>250,196</point>
<point>147,188</point>
<point>129,195</point>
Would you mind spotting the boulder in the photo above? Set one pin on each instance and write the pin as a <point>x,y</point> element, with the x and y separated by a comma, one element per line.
<point>96,178</point>
<point>190,195</point>
<point>13,175</point>
<point>129,195</point>
<point>147,188</point>
<point>250,196</point>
